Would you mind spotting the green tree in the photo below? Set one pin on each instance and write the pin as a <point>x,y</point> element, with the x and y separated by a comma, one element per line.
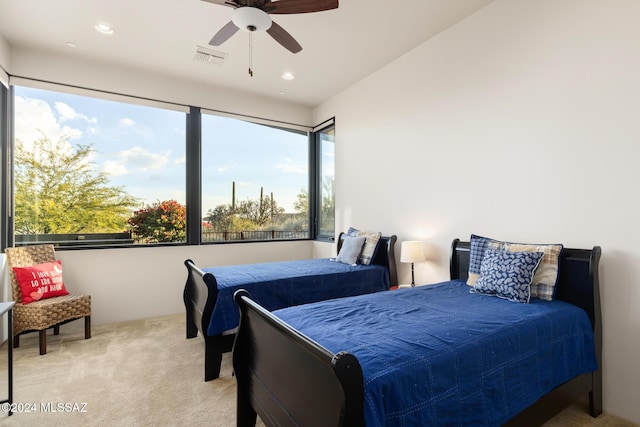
<point>301,205</point>
<point>226,218</point>
<point>57,191</point>
<point>261,213</point>
<point>221,218</point>
<point>247,215</point>
<point>328,205</point>
<point>160,222</point>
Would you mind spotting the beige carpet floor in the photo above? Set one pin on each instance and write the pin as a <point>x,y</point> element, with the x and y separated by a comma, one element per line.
<point>141,373</point>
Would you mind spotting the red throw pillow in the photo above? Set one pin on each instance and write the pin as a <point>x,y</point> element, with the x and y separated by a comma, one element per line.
<point>40,281</point>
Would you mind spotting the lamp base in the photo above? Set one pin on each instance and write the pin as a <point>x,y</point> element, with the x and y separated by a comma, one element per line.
<point>413,281</point>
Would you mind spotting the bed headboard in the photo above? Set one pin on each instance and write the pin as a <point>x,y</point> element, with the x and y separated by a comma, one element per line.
<point>385,255</point>
<point>578,283</point>
<point>459,264</point>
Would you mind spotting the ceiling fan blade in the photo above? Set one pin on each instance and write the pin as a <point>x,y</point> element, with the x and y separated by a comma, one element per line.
<point>229,3</point>
<point>224,34</point>
<point>280,35</point>
<point>299,6</point>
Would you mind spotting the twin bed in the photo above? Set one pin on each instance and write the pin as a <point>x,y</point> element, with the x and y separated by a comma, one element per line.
<point>211,310</point>
<point>430,355</point>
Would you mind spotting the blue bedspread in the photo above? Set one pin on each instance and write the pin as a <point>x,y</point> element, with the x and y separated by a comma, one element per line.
<point>441,356</point>
<point>276,285</point>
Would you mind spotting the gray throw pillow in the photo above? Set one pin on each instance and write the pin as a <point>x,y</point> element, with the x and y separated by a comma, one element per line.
<point>351,248</point>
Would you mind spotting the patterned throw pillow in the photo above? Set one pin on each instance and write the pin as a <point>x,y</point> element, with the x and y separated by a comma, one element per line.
<point>544,282</point>
<point>546,277</point>
<point>354,232</point>
<point>350,250</point>
<point>507,274</point>
<point>479,245</point>
<point>370,245</point>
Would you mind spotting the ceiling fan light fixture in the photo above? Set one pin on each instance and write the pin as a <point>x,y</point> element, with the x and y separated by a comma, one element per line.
<point>251,19</point>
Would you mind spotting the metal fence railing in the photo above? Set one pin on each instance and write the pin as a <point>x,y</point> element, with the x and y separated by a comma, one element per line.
<point>222,236</point>
<point>102,239</point>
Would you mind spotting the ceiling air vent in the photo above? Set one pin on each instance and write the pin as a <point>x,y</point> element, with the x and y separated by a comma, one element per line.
<point>210,56</point>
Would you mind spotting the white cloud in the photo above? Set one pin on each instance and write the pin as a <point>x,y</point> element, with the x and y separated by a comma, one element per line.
<point>35,118</point>
<point>136,159</point>
<point>131,127</point>
<point>66,113</point>
<point>126,122</point>
<point>114,168</point>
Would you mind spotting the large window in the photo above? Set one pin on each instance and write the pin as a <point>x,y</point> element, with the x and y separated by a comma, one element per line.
<point>103,169</point>
<point>95,171</point>
<point>254,181</point>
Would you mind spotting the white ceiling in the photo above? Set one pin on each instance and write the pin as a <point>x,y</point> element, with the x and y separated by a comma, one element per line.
<point>340,46</point>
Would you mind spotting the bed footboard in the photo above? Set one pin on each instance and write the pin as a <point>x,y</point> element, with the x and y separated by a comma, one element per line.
<point>274,365</point>
<point>200,295</point>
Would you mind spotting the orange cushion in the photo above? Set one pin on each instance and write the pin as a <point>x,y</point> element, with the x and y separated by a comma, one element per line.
<point>40,281</point>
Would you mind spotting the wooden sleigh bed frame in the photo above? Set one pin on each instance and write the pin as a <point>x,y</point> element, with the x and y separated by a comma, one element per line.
<point>201,293</point>
<point>335,381</point>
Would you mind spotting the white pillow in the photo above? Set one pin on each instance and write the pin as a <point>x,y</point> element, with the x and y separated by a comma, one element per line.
<point>350,249</point>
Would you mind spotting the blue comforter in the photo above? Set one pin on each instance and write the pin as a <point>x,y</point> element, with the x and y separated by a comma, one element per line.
<point>275,285</point>
<point>441,356</point>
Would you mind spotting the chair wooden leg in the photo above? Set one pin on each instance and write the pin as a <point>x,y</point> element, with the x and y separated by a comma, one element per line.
<point>16,341</point>
<point>56,330</point>
<point>43,341</point>
<point>87,327</point>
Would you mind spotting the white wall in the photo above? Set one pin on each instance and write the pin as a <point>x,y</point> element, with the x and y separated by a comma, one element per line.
<point>4,61</point>
<point>520,123</point>
<point>70,70</point>
<point>143,282</point>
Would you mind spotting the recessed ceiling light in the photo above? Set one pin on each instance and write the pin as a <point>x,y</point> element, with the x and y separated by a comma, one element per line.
<point>282,93</point>
<point>72,45</point>
<point>288,76</point>
<point>104,28</point>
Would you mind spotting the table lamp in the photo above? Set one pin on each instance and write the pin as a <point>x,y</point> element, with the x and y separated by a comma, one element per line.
<point>411,251</point>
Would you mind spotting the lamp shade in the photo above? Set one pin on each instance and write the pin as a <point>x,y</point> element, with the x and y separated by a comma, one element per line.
<point>411,251</point>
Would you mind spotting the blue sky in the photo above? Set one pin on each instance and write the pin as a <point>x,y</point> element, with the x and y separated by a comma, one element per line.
<point>143,148</point>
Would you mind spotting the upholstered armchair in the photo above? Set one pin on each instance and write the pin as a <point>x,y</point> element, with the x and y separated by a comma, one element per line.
<point>49,312</point>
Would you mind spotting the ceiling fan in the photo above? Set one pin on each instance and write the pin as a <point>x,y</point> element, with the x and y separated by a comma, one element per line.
<point>253,15</point>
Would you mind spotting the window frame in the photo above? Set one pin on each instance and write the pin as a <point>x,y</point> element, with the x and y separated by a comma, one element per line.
<point>6,175</point>
<point>281,126</point>
<point>193,166</point>
<point>317,182</point>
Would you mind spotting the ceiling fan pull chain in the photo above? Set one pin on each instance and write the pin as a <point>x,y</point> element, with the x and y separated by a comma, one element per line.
<point>250,54</point>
